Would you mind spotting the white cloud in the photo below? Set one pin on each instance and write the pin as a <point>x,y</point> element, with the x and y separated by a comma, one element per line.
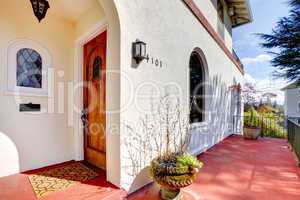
<point>259,59</point>
<point>268,85</point>
<point>249,79</point>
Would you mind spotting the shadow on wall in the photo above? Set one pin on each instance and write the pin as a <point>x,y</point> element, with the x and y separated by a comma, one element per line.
<point>218,122</point>
<point>218,125</point>
<point>139,153</point>
<point>9,156</point>
<point>160,132</point>
<point>237,107</point>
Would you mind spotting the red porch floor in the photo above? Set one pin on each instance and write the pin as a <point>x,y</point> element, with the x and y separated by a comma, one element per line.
<point>235,169</point>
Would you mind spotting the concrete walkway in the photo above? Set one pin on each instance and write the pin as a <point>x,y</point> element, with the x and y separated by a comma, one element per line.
<point>238,169</point>
<point>235,169</point>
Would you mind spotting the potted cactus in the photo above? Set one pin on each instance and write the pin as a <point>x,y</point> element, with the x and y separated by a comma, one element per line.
<point>173,172</point>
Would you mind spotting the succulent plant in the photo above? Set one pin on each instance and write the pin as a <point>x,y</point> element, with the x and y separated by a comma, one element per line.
<point>175,171</point>
<point>188,160</point>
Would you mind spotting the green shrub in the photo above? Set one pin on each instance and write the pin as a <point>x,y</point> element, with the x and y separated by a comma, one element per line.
<point>271,124</point>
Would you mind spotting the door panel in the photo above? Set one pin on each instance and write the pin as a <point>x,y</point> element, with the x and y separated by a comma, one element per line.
<point>94,98</point>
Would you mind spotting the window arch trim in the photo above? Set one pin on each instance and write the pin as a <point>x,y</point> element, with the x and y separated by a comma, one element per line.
<point>205,74</point>
<point>10,62</point>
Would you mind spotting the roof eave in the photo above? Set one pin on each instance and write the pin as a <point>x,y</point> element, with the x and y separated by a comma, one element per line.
<point>249,10</point>
<point>249,13</point>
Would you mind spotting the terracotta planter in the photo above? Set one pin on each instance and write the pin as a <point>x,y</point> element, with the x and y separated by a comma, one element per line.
<point>252,133</point>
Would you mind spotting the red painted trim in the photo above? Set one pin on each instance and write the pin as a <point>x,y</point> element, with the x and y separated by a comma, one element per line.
<point>202,19</point>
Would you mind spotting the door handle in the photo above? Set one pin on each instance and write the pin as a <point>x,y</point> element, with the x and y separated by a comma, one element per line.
<point>84,117</point>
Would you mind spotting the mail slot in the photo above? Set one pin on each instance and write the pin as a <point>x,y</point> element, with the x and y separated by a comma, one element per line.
<point>30,107</point>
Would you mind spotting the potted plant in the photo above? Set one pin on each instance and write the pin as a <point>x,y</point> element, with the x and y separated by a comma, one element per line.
<point>251,128</point>
<point>164,150</point>
<point>173,172</point>
<point>173,168</point>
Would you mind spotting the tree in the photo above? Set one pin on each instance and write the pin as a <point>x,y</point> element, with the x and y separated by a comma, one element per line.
<point>268,97</point>
<point>249,94</point>
<point>284,43</point>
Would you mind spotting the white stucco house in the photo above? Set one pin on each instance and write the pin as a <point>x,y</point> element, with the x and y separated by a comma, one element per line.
<point>292,100</point>
<point>47,69</point>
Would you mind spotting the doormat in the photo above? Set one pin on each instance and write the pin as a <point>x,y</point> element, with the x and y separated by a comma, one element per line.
<point>60,178</point>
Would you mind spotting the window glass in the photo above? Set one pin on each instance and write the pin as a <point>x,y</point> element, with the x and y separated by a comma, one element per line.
<point>29,68</point>
<point>97,68</point>
<point>197,89</point>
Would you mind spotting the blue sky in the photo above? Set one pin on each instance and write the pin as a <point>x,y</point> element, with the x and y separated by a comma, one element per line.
<point>256,60</point>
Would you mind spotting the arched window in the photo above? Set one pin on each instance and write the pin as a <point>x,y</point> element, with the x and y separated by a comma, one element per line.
<point>197,88</point>
<point>29,68</point>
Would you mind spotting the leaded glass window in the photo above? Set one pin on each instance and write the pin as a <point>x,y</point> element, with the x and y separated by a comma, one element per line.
<point>29,68</point>
<point>97,68</point>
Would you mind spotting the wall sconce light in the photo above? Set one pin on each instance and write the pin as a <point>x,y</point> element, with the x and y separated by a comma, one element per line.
<point>139,51</point>
<point>40,8</point>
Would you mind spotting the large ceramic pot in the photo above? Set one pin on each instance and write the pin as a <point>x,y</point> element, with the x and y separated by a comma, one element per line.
<point>252,133</point>
<point>172,178</point>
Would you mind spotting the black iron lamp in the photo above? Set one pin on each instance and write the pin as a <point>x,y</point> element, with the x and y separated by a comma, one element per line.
<point>40,8</point>
<point>139,51</point>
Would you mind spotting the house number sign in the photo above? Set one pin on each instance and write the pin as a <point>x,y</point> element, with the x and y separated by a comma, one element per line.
<point>155,61</point>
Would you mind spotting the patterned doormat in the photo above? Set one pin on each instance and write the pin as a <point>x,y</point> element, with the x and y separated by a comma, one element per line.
<point>60,178</point>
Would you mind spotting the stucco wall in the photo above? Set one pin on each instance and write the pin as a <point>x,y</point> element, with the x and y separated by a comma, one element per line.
<point>29,141</point>
<point>171,33</point>
<point>209,10</point>
<point>227,30</point>
<point>88,20</point>
<point>292,98</point>
<point>39,139</point>
<point>45,139</point>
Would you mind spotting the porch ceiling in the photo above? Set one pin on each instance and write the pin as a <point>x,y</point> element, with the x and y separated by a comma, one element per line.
<point>241,12</point>
<point>70,10</point>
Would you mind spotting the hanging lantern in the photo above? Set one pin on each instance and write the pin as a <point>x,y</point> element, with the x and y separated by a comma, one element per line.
<point>40,8</point>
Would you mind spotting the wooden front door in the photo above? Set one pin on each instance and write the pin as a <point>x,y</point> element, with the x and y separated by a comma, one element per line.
<point>94,99</point>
